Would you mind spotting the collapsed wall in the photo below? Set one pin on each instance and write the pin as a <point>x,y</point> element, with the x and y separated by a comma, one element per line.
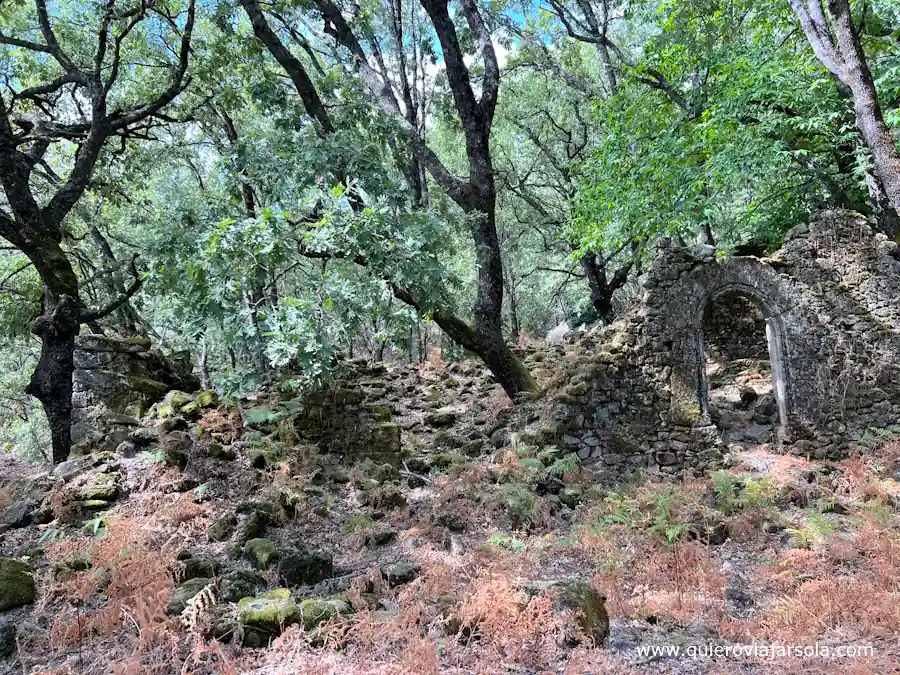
<point>635,394</point>
<point>628,396</point>
<point>116,380</point>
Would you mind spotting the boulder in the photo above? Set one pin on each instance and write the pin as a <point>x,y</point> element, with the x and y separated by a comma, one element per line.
<point>266,616</point>
<point>305,569</point>
<point>16,584</point>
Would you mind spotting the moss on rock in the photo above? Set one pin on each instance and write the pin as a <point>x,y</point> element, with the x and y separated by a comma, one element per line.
<point>261,553</point>
<point>207,399</point>
<point>16,584</point>
<point>265,616</point>
<point>316,611</point>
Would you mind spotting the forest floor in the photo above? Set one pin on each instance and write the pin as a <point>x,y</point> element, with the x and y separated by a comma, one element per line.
<point>430,566</point>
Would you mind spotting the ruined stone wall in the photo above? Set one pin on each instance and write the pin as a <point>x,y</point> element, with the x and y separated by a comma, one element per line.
<point>352,418</point>
<point>634,394</point>
<point>734,328</point>
<point>116,380</point>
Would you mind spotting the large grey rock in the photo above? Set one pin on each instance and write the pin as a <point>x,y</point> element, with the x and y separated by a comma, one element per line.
<point>18,514</point>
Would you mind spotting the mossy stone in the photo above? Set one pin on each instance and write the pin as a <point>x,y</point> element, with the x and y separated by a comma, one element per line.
<point>397,574</point>
<point>207,399</point>
<point>440,418</point>
<point>238,584</point>
<point>176,399</point>
<point>222,528</point>
<point>184,593</point>
<point>191,410</point>
<point>316,611</point>
<point>261,553</point>
<point>266,616</point>
<point>586,604</point>
<point>305,568</point>
<point>219,451</point>
<point>16,584</point>
<point>106,488</point>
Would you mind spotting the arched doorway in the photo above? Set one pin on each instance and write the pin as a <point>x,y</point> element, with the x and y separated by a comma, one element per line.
<point>742,380</point>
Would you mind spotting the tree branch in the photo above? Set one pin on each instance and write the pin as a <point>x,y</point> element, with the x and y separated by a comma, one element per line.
<point>90,315</point>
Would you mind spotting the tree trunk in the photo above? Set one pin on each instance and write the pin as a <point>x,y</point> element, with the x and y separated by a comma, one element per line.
<point>489,343</point>
<point>835,41</point>
<point>869,117</point>
<point>130,318</point>
<point>601,295</point>
<point>885,214</point>
<point>51,382</point>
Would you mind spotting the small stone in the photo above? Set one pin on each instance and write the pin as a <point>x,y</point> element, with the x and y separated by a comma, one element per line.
<point>380,538</point>
<point>219,451</point>
<point>440,418</point>
<point>191,411</point>
<point>142,436</point>
<point>748,396</point>
<point>8,645</point>
<point>127,449</point>
<point>770,527</point>
<point>261,553</point>
<point>222,528</point>
<point>387,496</point>
<point>199,567</point>
<point>184,593</point>
<point>738,596</point>
<point>399,573</point>
<point>315,611</point>
<point>176,399</point>
<point>18,514</point>
<point>571,496</point>
<point>239,584</point>
<point>835,507</point>
<point>72,467</point>
<point>173,424</point>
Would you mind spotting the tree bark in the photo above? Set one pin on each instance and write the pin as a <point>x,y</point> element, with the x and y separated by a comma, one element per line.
<point>835,42</point>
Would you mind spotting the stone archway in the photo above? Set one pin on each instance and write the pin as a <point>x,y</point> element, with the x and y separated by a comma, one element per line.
<point>687,280</point>
<point>774,350</point>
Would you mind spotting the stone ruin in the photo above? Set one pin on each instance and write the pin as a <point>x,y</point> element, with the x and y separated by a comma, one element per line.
<point>818,321</point>
<point>636,394</point>
<point>116,381</point>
